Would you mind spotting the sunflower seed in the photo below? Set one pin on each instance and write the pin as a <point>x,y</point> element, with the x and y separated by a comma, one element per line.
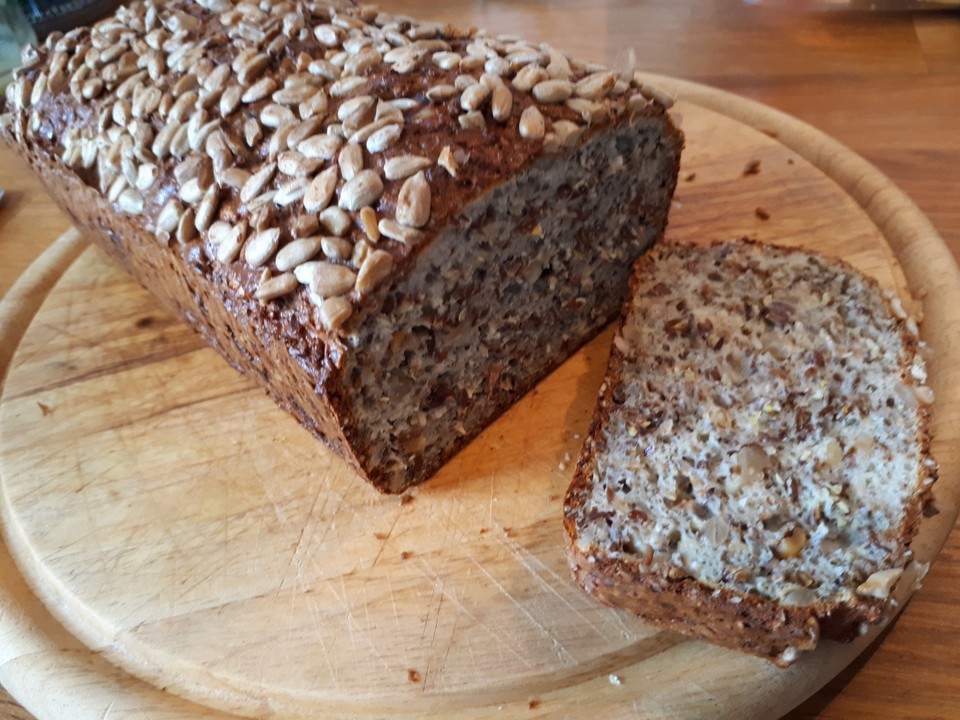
<point>303,130</point>
<point>413,202</point>
<point>252,69</point>
<point>323,147</point>
<point>274,287</point>
<point>219,232</point>
<point>228,249</point>
<point>552,91</point>
<point>528,77</point>
<point>595,86</point>
<point>330,280</point>
<point>447,161</point>
<point>182,107</point>
<point>185,84</point>
<point>252,132</point>
<point>169,216</point>
<point>297,252</point>
<point>401,233</point>
<point>364,188</point>
<point>304,271</point>
<point>368,221</point>
<point>375,268</point>
<point>294,95</point>
<point>362,61</point>
<point>472,121</point>
<point>305,225</point>
<point>328,35</point>
<point>279,139</point>
<point>440,93</point>
<point>361,103</point>
<point>350,161</point>
<point>462,82</point>
<point>324,69</point>
<point>291,192</point>
<point>335,221</point>
<point>446,60</point>
<point>501,102</point>
<point>257,182</point>
<point>234,178</point>
<point>230,100</point>
<point>320,191</point>
<point>559,66</point>
<point>274,115</point>
<point>147,174</point>
<point>261,247</point>
<point>403,166</point>
<point>474,97</point>
<point>532,124</point>
<point>186,228</point>
<point>259,90</point>
<point>472,62</point>
<point>498,66</point>
<point>294,164</point>
<point>217,79</point>
<point>130,201</point>
<point>334,312</point>
<point>346,85</point>
<point>208,208</point>
<point>568,133</point>
<point>262,218</point>
<point>589,110</point>
<point>315,106</point>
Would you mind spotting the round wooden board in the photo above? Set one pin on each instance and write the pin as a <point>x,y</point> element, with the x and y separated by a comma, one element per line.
<point>198,555</point>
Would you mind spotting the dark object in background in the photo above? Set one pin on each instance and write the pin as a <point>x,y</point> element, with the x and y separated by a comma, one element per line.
<point>48,15</point>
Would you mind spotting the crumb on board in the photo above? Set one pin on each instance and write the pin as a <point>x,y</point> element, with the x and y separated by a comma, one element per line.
<point>413,675</point>
<point>405,555</point>
<point>615,679</point>
<point>45,409</point>
<point>406,498</point>
<point>752,168</point>
<point>762,214</point>
<point>691,177</point>
<point>533,704</point>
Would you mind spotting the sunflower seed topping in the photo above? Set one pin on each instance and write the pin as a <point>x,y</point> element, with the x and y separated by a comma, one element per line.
<point>364,188</point>
<point>350,161</point>
<point>401,233</point>
<point>320,191</point>
<point>329,280</point>
<point>375,268</point>
<point>413,202</point>
<point>532,124</point>
<point>230,244</point>
<point>552,91</point>
<point>257,182</point>
<point>334,312</point>
<point>335,221</point>
<point>131,202</point>
<point>297,252</point>
<point>261,247</point>
<point>274,287</point>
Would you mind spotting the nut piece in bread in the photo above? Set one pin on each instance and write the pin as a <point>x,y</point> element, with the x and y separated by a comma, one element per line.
<point>758,459</point>
<point>396,227</point>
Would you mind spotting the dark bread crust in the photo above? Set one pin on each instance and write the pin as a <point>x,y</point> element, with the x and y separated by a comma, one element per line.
<point>749,623</point>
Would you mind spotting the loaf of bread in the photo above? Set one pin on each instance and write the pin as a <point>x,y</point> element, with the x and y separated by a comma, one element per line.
<point>758,460</point>
<point>397,227</point>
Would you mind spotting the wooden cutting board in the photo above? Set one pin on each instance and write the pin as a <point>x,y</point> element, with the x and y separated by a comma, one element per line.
<point>177,547</point>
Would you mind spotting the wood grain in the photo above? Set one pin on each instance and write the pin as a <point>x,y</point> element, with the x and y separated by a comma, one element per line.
<point>193,558</point>
<point>884,85</point>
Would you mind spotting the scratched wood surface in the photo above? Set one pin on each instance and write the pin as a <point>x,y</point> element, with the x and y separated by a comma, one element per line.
<point>189,534</point>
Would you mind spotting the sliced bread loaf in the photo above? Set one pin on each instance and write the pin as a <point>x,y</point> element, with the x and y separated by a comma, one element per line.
<point>758,459</point>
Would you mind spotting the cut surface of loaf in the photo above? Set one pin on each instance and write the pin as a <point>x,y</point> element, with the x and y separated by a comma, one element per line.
<point>395,226</point>
<point>758,458</point>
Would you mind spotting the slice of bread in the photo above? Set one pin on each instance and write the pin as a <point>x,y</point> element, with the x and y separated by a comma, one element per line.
<point>758,458</point>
